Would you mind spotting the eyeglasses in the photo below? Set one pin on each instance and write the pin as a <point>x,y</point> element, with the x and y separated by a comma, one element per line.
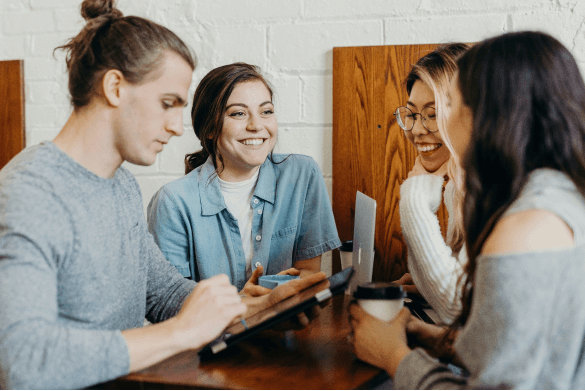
<point>406,118</point>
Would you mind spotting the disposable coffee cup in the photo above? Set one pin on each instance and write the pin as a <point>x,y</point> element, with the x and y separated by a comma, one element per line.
<point>384,300</point>
<point>346,253</point>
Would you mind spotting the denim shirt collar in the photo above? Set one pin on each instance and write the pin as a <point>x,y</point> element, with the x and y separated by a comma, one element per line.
<point>212,201</point>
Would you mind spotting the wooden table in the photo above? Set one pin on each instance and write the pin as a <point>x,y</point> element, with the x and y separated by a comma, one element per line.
<point>318,357</point>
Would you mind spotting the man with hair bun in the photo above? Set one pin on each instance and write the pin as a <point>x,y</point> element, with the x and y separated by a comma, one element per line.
<point>79,271</point>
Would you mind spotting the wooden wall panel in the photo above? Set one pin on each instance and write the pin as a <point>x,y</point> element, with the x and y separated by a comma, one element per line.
<point>370,152</point>
<point>12,132</point>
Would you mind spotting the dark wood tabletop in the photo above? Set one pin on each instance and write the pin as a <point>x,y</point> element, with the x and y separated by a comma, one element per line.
<point>317,357</point>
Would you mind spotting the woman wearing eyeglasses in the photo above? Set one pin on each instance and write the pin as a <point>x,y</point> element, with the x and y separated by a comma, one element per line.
<point>433,262</point>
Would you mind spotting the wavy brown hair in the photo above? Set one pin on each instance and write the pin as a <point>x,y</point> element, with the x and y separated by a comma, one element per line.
<point>527,99</point>
<point>209,103</point>
<point>135,46</point>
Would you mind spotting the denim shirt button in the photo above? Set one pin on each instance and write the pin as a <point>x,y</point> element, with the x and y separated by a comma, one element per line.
<point>259,211</point>
<point>258,238</point>
<point>255,201</point>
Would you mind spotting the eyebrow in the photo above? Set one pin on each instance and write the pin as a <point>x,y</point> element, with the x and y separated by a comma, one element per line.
<point>246,106</point>
<point>431,103</point>
<point>178,98</point>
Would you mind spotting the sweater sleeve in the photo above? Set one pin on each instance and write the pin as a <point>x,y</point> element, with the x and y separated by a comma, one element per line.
<point>516,335</point>
<point>431,263</point>
<point>38,349</point>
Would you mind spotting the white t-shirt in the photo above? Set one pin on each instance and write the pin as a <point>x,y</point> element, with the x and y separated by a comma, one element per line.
<point>238,199</point>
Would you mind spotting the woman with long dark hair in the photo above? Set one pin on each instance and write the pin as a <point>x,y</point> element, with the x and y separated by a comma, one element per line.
<point>241,209</point>
<point>517,124</point>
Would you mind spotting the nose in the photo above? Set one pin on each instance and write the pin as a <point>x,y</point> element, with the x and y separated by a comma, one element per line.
<point>418,129</point>
<point>254,123</point>
<point>175,124</point>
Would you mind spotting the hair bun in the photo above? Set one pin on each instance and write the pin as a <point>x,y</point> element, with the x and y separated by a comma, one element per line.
<point>91,9</point>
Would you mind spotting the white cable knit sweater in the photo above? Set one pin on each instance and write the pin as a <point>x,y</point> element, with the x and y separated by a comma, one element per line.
<point>432,264</point>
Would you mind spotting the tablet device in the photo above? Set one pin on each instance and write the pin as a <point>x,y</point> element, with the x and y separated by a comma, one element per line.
<point>279,312</point>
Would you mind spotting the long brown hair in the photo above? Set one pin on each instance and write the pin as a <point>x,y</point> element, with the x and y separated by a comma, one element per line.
<point>135,46</point>
<point>527,98</point>
<point>209,104</point>
<point>436,70</point>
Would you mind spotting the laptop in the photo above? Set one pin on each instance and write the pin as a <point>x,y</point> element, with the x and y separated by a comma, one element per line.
<point>364,229</point>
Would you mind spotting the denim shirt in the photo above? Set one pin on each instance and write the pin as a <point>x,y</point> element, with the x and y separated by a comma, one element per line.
<point>292,220</point>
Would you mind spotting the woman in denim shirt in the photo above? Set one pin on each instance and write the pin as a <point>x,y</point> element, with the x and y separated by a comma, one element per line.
<point>241,209</point>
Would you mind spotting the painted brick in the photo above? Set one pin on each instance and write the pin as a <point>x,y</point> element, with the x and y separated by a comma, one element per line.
<point>42,116</point>
<point>287,97</point>
<point>318,99</point>
<point>38,135</point>
<point>40,4</point>
<point>308,46</point>
<point>248,10</point>
<point>313,142</point>
<point>41,68</point>
<point>13,47</point>
<point>371,8</point>
<point>69,19</point>
<point>486,5</point>
<point>46,92</point>
<point>466,28</point>
<point>44,44</point>
<point>237,44</point>
<point>562,25</point>
<point>151,184</point>
<point>173,156</point>
<point>28,22</point>
<point>13,5</point>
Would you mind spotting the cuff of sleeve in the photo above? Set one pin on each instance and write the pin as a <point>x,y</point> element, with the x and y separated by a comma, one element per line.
<point>413,368</point>
<point>318,250</point>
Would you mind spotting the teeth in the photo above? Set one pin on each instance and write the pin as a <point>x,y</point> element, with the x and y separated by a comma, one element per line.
<point>253,141</point>
<point>427,147</point>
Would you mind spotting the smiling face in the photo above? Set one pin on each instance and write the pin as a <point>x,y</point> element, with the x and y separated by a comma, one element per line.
<point>459,122</point>
<point>249,131</point>
<point>151,113</point>
<point>432,151</point>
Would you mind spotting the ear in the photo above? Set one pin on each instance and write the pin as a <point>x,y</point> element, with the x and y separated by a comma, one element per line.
<point>112,83</point>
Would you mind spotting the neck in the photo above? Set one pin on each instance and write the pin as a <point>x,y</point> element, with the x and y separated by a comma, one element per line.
<point>235,174</point>
<point>88,138</point>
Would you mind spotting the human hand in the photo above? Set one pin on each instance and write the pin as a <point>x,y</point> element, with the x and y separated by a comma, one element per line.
<point>253,289</point>
<point>293,287</point>
<point>382,344</point>
<point>207,311</point>
<point>407,284</point>
<point>431,338</point>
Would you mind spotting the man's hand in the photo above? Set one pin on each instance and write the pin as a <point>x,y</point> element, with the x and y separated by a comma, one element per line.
<point>207,311</point>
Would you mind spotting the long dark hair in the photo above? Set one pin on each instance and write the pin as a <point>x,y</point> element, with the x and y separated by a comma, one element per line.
<point>209,104</point>
<point>135,46</point>
<point>527,99</point>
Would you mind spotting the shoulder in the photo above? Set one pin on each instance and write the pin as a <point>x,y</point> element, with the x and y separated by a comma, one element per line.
<point>529,230</point>
<point>294,164</point>
<point>182,191</point>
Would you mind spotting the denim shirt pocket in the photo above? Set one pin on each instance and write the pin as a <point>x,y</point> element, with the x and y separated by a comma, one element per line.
<point>281,250</point>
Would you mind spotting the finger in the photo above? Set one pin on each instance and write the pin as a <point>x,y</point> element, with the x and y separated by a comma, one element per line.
<point>403,317</point>
<point>290,272</point>
<point>256,275</point>
<point>257,290</point>
<point>410,288</point>
<point>303,320</point>
<point>306,282</point>
<point>356,311</point>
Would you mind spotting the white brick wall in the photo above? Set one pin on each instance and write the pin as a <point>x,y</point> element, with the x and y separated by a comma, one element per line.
<point>291,40</point>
